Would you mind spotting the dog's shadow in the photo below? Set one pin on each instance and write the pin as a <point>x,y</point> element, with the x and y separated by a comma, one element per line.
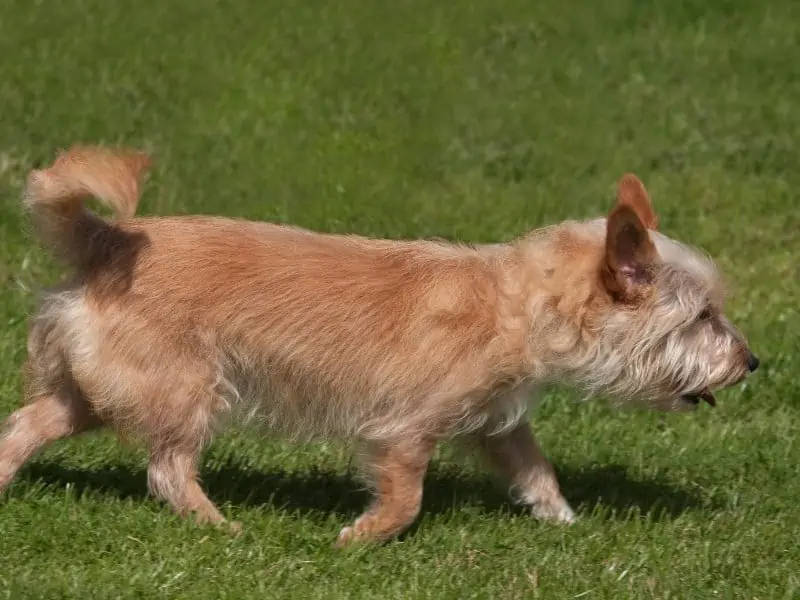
<point>607,490</point>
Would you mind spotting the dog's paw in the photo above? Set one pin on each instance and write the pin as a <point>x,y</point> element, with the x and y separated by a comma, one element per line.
<point>557,512</point>
<point>233,527</point>
<point>346,538</point>
<point>360,532</point>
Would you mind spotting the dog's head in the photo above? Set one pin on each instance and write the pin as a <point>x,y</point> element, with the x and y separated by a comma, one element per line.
<point>664,322</point>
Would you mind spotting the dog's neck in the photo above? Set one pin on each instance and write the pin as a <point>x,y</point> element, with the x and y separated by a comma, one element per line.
<point>550,300</point>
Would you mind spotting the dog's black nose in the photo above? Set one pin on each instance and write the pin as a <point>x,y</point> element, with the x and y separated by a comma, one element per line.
<point>752,362</point>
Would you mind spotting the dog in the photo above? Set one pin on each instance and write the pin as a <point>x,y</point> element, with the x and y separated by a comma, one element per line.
<point>171,326</point>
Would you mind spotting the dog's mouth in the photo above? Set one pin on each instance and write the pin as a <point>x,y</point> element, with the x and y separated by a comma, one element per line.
<point>695,398</point>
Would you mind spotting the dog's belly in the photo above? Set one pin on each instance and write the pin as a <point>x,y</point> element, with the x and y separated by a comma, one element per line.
<point>184,375</point>
<point>289,408</point>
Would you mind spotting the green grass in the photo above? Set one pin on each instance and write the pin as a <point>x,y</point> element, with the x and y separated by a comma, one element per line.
<point>472,120</point>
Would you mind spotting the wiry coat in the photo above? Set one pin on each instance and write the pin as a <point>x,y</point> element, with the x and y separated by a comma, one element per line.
<point>172,325</point>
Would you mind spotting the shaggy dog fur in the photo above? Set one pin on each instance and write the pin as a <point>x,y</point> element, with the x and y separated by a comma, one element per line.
<point>170,324</point>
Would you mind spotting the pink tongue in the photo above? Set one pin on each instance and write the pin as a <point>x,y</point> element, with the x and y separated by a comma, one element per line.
<point>708,397</point>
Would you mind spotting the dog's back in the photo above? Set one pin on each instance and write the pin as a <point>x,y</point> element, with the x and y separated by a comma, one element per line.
<point>173,322</point>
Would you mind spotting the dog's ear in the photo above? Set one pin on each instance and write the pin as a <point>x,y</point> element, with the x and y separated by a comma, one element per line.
<point>631,192</point>
<point>630,254</point>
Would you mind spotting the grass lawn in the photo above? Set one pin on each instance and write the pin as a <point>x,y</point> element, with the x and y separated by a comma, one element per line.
<point>473,120</point>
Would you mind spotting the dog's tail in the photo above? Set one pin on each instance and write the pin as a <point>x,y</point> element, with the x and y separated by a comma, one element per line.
<point>55,196</point>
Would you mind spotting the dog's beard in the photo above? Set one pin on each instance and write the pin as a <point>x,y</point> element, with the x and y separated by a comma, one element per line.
<point>673,371</point>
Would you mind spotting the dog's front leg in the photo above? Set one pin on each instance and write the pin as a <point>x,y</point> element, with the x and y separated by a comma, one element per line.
<point>397,470</point>
<point>519,460</point>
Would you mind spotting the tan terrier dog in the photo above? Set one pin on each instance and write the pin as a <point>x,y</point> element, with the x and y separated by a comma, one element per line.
<point>170,324</point>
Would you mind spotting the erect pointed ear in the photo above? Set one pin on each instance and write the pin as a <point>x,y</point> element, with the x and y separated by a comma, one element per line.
<point>631,192</point>
<point>630,254</point>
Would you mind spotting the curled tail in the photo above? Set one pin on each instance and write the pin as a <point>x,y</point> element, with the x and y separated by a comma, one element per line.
<point>55,196</point>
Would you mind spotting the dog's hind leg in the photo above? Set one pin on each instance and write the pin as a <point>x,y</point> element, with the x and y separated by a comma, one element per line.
<point>176,441</point>
<point>172,477</point>
<point>49,416</point>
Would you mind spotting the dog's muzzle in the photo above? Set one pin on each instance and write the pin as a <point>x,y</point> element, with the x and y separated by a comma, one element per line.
<point>704,394</point>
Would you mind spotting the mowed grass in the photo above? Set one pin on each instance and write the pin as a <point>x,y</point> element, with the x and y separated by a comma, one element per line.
<point>474,121</point>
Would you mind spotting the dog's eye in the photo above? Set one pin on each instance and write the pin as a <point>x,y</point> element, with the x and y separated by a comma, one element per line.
<point>705,314</point>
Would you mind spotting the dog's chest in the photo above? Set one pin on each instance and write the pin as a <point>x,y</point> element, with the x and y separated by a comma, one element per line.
<point>508,406</point>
